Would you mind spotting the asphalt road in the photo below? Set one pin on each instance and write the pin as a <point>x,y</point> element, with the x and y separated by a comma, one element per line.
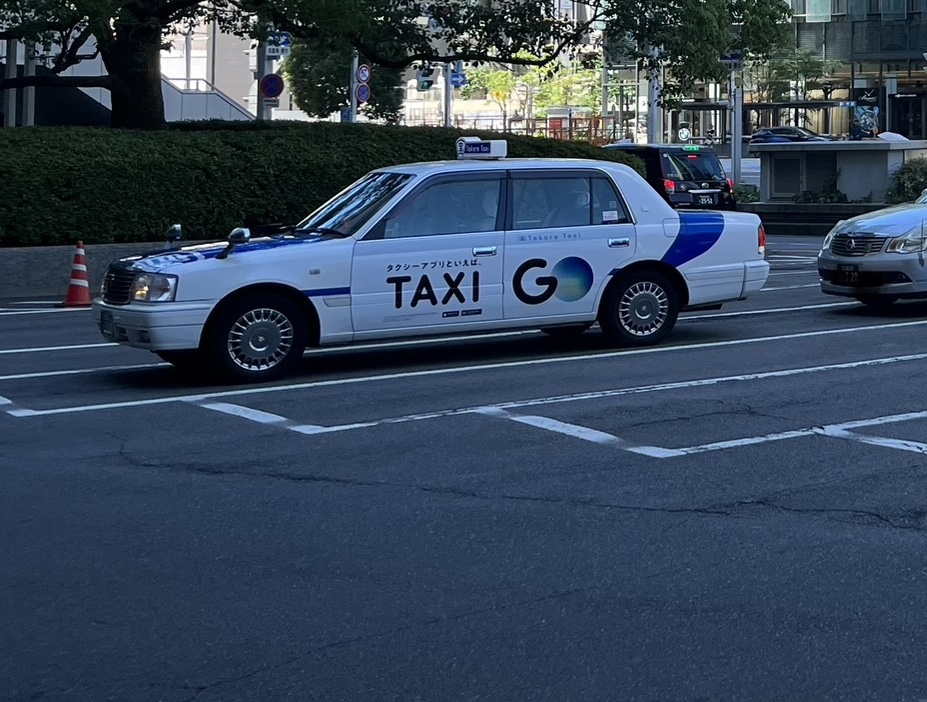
<point>736,515</point>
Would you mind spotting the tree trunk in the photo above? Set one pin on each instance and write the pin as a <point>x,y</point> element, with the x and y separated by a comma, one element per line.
<point>133,61</point>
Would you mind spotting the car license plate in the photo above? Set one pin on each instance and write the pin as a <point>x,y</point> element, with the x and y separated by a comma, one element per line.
<point>706,200</point>
<point>107,326</point>
<point>847,275</point>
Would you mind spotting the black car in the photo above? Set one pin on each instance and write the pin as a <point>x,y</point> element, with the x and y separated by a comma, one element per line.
<point>687,176</point>
<point>771,135</point>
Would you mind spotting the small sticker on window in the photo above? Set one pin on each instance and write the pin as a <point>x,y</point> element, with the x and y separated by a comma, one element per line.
<point>609,216</point>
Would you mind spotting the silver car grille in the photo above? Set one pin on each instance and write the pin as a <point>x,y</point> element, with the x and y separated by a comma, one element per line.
<point>856,245</point>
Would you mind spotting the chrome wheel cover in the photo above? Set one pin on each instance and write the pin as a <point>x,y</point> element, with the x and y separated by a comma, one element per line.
<point>643,309</point>
<point>260,339</point>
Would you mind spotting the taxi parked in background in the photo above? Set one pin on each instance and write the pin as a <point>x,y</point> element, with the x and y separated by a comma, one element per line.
<point>477,244</point>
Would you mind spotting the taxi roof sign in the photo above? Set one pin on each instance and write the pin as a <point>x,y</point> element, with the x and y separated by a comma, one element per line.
<point>476,148</point>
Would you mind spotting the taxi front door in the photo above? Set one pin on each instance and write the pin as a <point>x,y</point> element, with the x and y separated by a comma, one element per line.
<point>434,263</point>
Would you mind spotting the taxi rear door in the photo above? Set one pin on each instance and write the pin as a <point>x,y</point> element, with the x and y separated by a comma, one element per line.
<point>566,231</point>
<point>434,263</point>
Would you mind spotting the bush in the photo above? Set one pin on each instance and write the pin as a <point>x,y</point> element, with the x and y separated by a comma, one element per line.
<point>908,181</point>
<point>61,185</point>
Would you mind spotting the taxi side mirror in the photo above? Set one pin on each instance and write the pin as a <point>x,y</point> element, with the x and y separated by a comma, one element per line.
<point>174,234</point>
<point>239,235</point>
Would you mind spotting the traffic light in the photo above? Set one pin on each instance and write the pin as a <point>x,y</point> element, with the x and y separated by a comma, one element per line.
<point>425,79</point>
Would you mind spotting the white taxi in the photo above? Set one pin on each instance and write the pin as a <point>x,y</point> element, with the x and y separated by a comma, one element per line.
<point>478,244</point>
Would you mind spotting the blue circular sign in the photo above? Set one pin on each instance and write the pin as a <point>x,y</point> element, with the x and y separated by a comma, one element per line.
<point>271,85</point>
<point>363,92</point>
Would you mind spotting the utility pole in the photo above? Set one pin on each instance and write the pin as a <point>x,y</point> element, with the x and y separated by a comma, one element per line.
<point>654,111</point>
<point>736,100</point>
<point>261,72</point>
<point>448,97</point>
<point>355,64</point>
<point>29,93</point>
<point>9,95</point>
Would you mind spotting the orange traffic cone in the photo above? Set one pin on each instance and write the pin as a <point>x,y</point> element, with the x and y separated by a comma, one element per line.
<point>79,286</point>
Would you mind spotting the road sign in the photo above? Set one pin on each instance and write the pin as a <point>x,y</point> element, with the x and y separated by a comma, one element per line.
<point>684,134</point>
<point>363,73</point>
<point>732,60</point>
<point>279,44</point>
<point>272,102</point>
<point>458,79</point>
<point>363,93</point>
<point>271,85</point>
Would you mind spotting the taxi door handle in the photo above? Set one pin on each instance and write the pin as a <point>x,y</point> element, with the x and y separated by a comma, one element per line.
<point>616,243</point>
<point>484,251</point>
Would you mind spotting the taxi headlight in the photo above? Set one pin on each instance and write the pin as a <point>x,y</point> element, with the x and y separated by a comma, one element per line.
<point>153,287</point>
<point>913,242</point>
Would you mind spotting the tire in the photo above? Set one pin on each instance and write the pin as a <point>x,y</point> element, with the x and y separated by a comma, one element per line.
<point>566,332</point>
<point>878,302</point>
<point>184,360</point>
<point>256,338</point>
<point>639,309</point>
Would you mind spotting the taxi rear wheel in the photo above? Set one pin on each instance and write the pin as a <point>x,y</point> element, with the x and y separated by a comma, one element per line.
<point>257,338</point>
<point>640,309</point>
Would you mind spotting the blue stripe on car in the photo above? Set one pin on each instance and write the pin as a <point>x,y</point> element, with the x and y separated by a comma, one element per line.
<point>327,292</point>
<point>698,232</point>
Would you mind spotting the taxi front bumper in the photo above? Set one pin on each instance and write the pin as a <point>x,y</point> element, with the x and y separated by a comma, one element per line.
<point>165,326</point>
<point>890,274</point>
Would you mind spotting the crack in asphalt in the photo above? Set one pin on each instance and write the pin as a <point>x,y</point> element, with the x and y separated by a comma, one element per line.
<point>910,520</point>
<point>315,650</point>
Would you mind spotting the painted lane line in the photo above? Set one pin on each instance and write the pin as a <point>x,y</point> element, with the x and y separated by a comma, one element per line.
<point>70,347</point>
<point>252,415</point>
<point>574,430</point>
<point>837,431</point>
<point>468,337</point>
<point>791,287</point>
<point>4,401</point>
<point>435,372</point>
<point>80,371</point>
<point>883,441</point>
<point>6,312</point>
<point>773,310</point>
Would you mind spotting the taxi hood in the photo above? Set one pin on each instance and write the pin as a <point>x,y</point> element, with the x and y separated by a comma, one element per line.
<point>888,222</point>
<point>182,257</point>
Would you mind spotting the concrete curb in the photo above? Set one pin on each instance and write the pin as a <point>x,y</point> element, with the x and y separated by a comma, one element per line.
<point>43,272</point>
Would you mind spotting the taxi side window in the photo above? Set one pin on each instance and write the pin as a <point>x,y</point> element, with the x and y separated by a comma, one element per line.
<point>448,207</point>
<point>541,203</point>
<point>569,201</point>
<point>607,206</point>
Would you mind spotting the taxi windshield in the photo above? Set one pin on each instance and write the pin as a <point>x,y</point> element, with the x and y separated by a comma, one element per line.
<point>350,209</point>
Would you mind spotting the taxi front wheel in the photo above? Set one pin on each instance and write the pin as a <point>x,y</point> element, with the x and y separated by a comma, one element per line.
<point>256,338</point>
<point>640,309</point>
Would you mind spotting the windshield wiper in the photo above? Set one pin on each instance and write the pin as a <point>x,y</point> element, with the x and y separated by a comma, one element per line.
<point>321,230</point>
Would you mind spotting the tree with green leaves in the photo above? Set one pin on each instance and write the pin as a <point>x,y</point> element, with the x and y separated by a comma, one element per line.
<point>792,75</point>
<point>497,84</point>
<point>128,35</point>
<point>319,77</point>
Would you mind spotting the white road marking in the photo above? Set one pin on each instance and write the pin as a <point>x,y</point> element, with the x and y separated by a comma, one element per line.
<point>792,287</point>
<point>452,339</point>
<point>516,404</point>
<point>4,401</point>
<point>773,310</point>
<point>574,430</point>
<point>70,347</point>
<point>883,441</point>
<point>80,371</point>
<point>837,431</point>
<point>6,312</point>
<point>252,415</point>
<point>780,273</point>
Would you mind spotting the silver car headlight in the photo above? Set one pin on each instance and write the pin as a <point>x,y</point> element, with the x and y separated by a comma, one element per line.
<point>153,287</point>
<point>913,242</point>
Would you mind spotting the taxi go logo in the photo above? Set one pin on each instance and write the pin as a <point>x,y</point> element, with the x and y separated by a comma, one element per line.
<point>569,280</point>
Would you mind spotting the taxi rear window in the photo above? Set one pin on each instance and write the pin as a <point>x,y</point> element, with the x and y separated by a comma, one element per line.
<point>350,209</point>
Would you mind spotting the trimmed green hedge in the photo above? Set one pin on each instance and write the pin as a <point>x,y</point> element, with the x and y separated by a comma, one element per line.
<point>908,182</point>
<point>61,185</point>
